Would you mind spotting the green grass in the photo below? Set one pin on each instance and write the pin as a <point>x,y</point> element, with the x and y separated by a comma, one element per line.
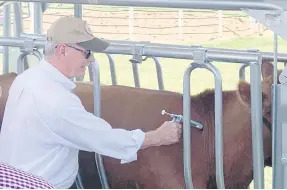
<point>173,69</point>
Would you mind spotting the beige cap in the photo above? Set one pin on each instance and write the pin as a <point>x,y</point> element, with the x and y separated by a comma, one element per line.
<point>72,30</point>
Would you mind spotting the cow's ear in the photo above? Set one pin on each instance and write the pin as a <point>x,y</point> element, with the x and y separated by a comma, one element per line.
<point>243,92</point>
<point>244,95</point>
<point>266,69</point>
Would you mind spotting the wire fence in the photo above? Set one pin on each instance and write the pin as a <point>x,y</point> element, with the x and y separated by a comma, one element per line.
<point>153,24</point>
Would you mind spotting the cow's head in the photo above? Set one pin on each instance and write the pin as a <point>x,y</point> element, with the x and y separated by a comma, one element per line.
<point>245,97</point>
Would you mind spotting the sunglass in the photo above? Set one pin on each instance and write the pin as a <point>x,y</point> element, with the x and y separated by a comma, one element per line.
<point>86,52</point>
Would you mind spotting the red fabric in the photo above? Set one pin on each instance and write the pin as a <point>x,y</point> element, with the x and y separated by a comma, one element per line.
<point>13,178</point>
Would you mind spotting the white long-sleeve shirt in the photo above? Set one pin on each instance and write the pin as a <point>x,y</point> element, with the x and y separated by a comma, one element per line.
<point>45,125</point>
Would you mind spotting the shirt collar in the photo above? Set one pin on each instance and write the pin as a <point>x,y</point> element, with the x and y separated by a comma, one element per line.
<point>57,76</point>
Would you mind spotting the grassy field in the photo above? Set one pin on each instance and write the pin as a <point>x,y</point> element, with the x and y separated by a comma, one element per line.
<point>173,69</point>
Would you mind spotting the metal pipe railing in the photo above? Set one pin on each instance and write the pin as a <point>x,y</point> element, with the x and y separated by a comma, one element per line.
<point>218,124</point>
<point>159,73</point>
<point>112,69</point>
<point>269,56</point>
<point>256,121</point>
<point>154,51</point>
<point>21,66</point>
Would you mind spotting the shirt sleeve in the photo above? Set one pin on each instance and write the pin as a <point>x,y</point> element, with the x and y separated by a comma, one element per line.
<point>77,128</point>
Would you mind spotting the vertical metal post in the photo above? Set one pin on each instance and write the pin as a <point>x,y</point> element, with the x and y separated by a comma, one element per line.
<point>78,12</point>
<point>137,58</point>
<point>159,73</point>
<point>18,25</point>
<point>136,75</point>
<point>112,69</point>
<point>218,125</point>
<point>20,62</point>
<point>186,128</point>
<point>277,166</point>
<point>277,174</point>
<point>97,112</point>
<point>38,18</point>
<point>256,121</point>
<point>282,104</point>
<point>6,33</point>
<point>242,72</point>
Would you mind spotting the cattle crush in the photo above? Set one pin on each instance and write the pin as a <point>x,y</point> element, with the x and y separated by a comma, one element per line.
<point>267,12</point>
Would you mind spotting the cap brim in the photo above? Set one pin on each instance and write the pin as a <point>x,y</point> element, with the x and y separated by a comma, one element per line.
<point>95,45</point>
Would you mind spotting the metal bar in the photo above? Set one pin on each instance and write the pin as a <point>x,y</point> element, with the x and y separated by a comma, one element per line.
<point>256,120</point>
<point>218,124</point>
<point>283,127</point>
<point>94,67</point>
<point>186,4</point>
<point>159,73</point>
<point>38,54</point>
<point>155,51</point>
<point>38,18</point>
<point>90,73</point>
<point>21,67</point>
<point>6,33</point>
<point>112,69</point>
<point>78,10</point>
<point>18,25</point>
<point>277,174</point>
<point>136,75</point>
<point>277,167</point>
<point>186,127</point>
<point>265,55</point>
<point>20,62</point>
<point>242,72</point>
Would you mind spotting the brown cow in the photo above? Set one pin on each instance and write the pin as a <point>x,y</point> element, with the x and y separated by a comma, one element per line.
<point>162,167</point>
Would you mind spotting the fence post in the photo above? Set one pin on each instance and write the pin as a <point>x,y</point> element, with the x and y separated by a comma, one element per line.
<point>131,22</point>
<point>180,23</point>
<point>220,24</point>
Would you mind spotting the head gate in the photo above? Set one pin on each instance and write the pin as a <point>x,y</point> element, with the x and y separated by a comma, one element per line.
<point>200,61</point>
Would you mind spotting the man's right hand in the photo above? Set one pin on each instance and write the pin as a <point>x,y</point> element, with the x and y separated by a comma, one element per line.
<point>168,133</point>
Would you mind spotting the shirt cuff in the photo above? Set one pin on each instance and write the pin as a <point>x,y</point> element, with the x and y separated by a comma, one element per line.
<point>138,136</point>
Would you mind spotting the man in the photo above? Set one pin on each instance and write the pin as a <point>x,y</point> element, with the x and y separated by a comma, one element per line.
<point>45,125</point>
<point>13,178</point>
